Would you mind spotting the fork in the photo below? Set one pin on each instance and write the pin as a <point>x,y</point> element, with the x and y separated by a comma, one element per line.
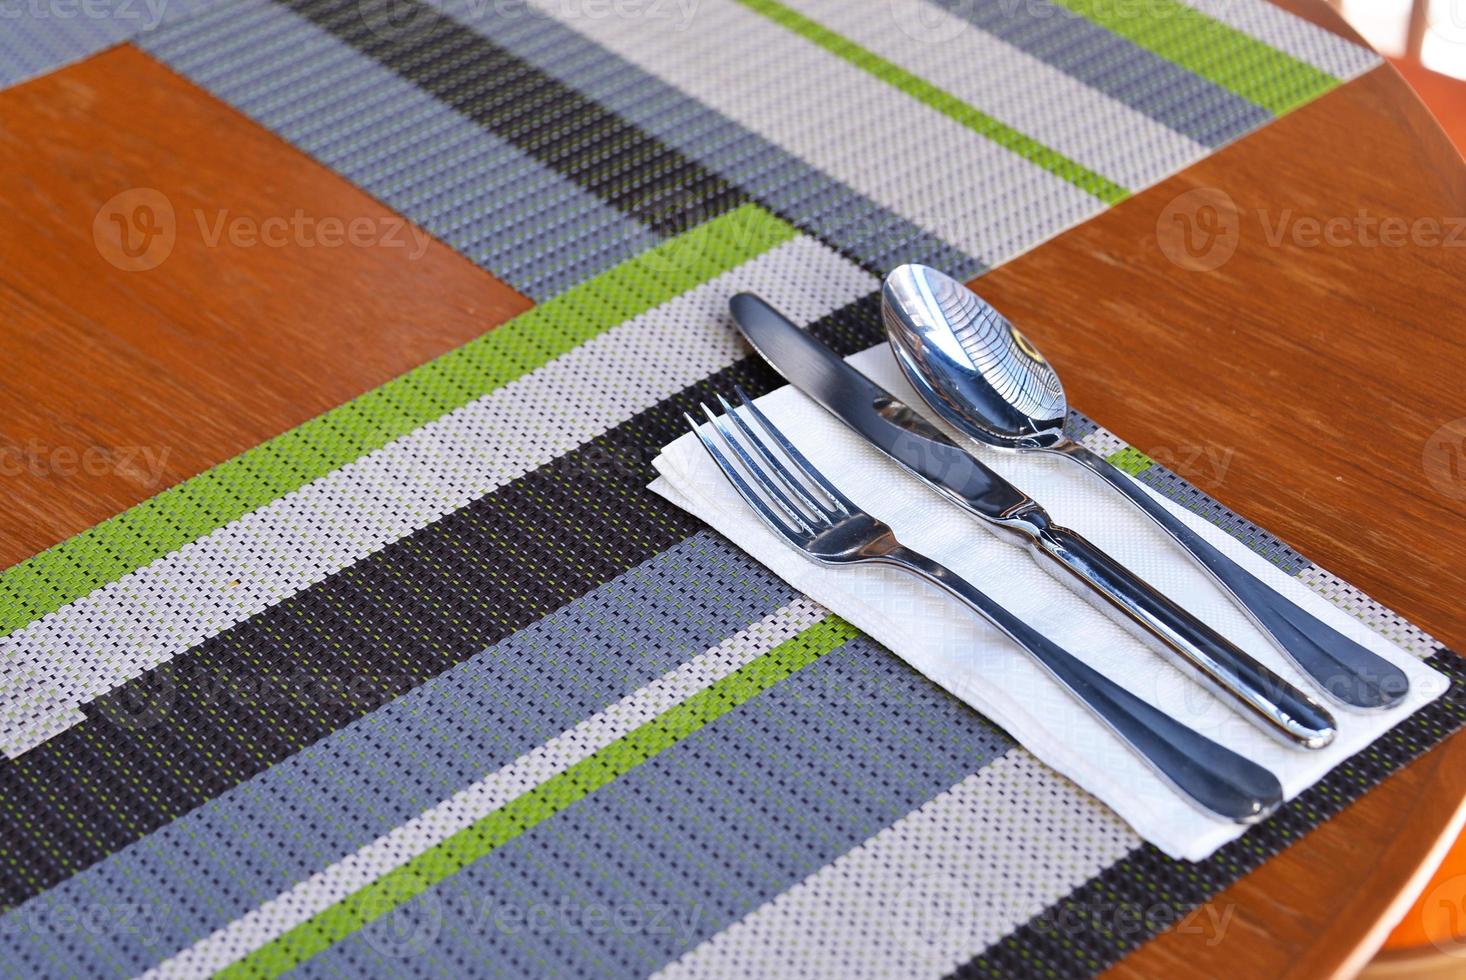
<point>804,508</point>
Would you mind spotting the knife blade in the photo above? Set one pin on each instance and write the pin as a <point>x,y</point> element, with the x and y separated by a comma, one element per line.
<point>890,424</point>
<point>1256,692</point>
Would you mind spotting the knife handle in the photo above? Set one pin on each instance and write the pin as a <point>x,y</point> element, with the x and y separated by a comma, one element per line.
<point>1211,775</point>
<point>1345,670</point>
<point>1260,695</point>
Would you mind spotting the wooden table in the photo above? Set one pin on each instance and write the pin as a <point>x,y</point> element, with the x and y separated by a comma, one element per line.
<point>1321,373</point>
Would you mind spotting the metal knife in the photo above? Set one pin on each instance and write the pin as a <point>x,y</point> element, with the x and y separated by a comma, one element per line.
<point>1258,694</point>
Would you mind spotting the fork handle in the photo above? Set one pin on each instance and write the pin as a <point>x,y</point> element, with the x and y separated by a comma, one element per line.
<point>1213,776</point>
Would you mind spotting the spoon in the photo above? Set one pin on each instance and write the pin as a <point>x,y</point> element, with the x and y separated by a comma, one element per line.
<point>989,381</point>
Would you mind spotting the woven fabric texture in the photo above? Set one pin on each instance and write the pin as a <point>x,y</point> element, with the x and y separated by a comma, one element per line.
<point>433,685</point>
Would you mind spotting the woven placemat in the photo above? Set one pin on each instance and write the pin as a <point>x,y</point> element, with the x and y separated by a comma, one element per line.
<point>431,684</point>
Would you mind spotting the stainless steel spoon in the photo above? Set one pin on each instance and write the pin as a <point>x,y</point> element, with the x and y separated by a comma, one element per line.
<point>986,379</point>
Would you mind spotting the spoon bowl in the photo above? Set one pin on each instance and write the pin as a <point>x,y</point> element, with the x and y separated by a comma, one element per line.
<point>991,383</point>
<point>970,364</point>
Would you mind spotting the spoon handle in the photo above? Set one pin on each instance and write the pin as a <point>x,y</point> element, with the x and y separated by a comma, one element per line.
<point>1345,670</point>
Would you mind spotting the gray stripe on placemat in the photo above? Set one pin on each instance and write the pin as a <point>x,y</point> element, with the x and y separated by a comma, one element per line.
<point>706,831</point>
<point>489,200</point>
<point>354,786</point>
<point>34,40</point>
<point>1145,81</point>
<point>931,891</point>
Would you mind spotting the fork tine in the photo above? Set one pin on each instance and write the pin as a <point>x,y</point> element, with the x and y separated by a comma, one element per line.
<point>795,456</point>
<point>797,486</point>
<point>772,485</point>
<point>744,490</point>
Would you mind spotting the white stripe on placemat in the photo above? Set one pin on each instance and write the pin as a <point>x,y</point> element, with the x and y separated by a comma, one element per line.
<point>471,804</point>
<point>895,150</point>
<point>114,634</point>
<point>1015,88</point>
<point>933,890</point>
<point>1291,34</point>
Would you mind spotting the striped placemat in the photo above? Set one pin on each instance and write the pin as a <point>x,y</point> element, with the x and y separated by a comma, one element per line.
<point>431,684</point>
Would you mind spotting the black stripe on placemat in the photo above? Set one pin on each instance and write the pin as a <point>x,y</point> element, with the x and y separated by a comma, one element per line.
<point>551,122</point>
<point>211,718</point>
<point>589,145</point>
<point>1146,892</point>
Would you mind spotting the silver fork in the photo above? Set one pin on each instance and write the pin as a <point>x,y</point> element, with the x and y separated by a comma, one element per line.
<point>805,509</point>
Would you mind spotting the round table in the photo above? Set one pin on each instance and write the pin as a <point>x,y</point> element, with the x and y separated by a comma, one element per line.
<point>1304,380</point>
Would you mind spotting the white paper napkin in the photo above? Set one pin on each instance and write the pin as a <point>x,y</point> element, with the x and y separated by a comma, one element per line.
<point>973,661</point>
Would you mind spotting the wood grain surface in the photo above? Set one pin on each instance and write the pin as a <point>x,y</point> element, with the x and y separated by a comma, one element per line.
<point>118,384</point>
<point>1301,384</point>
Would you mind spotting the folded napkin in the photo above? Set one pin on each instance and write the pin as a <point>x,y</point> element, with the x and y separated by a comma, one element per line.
<point>975,662</point>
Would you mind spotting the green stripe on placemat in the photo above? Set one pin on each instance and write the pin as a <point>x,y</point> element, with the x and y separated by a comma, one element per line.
<point>1221,54</point>
<point>205,503</point>
<point>1131,460</point>
<point>946,103</point>
<point>419,873</point>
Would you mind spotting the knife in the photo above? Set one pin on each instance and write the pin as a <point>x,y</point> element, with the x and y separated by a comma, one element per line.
<point>1254,691</point>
